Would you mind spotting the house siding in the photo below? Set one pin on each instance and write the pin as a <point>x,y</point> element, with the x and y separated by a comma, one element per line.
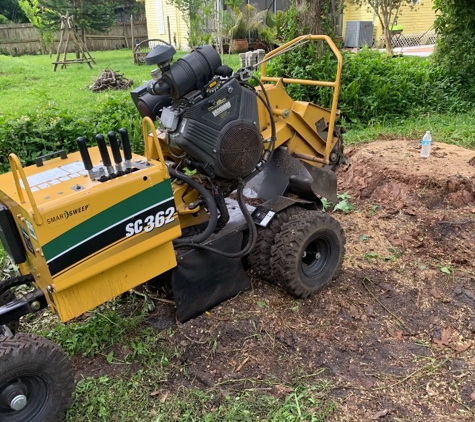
<point>417,19</point>
<point>159,13</point>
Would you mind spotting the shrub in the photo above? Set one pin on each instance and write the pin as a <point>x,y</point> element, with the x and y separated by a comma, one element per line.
<point>51,130</point>
<point>375,87</point>
<point>455,24</point>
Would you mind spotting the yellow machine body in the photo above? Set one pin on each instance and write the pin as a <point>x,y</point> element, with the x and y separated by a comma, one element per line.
<point>301,125</point>
<point>233,179</point>
<point>295,125</point>
<point>88,241</point>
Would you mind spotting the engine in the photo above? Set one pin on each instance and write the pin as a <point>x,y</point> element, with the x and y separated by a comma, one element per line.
<point>207,112</point>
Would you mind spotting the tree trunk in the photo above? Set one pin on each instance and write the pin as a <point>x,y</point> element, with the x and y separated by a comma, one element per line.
<point>387,40</point>
<point>310,15</point>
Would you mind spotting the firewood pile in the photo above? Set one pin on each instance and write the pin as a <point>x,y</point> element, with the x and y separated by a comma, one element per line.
<point>110,80</point>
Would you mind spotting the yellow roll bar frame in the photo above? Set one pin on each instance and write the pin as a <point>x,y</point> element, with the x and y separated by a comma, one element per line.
<point>335,84</point>
<point>18,173</point>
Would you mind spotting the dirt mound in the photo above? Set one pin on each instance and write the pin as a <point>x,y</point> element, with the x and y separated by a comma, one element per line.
<point>393,174</point>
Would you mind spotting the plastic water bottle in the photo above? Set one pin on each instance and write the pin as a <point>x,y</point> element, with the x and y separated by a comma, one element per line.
<point>426,143</point>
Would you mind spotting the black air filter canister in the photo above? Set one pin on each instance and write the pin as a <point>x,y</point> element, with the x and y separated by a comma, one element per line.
<point>192,71</point>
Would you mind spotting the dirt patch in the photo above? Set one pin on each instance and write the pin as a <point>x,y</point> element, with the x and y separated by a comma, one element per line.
<point>394,334</point>
<point>391,173</point>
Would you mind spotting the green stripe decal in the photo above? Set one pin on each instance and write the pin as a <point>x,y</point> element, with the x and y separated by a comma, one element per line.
<point>108,217</point>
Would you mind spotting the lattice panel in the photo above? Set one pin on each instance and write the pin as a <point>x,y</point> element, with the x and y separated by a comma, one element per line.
<point>412,40</point>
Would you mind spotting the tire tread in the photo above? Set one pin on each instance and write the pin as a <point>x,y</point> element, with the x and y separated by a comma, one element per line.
<point>260,256</point>
<point>285,251</point>
<point>38,352</point>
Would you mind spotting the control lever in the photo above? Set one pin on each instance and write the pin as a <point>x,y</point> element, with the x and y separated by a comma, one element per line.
<point>101,143</point>
<point>124,137</point>
<point>86,158</point>
<point>115,152</point>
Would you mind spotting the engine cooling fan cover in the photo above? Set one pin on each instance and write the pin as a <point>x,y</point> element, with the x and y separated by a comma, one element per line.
<point>239,149</point>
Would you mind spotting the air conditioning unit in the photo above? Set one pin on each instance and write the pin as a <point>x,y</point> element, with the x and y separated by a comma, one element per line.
<point>358,34</point>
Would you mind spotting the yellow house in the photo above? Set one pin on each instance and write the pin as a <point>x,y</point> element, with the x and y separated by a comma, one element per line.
<point>165,22</point>
<point>416,21</point>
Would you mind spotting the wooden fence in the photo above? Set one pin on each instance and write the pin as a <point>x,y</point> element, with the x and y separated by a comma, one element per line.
<point>18,39</point>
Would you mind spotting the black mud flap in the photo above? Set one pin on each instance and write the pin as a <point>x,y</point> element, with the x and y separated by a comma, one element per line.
<point>204,279</point>
<point>286,174</point>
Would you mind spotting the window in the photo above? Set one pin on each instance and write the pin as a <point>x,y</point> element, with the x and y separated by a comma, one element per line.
<point>160,24</point>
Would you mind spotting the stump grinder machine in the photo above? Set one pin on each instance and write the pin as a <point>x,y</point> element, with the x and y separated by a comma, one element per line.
<point>231,181</point>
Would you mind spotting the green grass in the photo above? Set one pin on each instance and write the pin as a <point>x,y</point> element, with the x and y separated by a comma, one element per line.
<point>457,129</point>
<point>139,397</point>
<point>137,365</point>
<point>28,83</point>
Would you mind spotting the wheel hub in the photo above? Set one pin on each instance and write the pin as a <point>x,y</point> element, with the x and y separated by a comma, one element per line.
<point>25,395</point>
<point>14,396</point>
<point>18,402</point>
<point>315,257</point>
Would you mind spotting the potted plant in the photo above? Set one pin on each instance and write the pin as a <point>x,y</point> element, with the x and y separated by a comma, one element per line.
<point>241,23</point>
<point>239,43</point>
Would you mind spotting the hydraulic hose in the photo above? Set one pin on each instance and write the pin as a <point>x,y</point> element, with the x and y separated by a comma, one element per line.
<point>210,204</point>
<point>252,232</point>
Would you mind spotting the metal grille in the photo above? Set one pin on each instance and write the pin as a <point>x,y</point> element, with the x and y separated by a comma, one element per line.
<point>411,40</point>
<point>240,149</point>
<point>359,33</point>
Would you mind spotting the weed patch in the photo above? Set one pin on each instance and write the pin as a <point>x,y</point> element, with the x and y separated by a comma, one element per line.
<point>110,399</point>
<point>97,332</point>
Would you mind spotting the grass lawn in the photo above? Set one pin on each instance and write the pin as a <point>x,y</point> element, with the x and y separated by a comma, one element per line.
<point>28,83</point>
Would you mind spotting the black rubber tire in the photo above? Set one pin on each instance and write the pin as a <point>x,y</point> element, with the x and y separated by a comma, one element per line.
<point>38,369</point>
<point>307,253</point>
<point>260,256</point>
<point>5,298</point>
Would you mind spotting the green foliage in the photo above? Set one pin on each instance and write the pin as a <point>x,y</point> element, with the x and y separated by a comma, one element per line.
<point>3,20</point>
<point>51,130</point>
<point>239,30</point>
<point>91,14</point>
<point>11,10</point>
<point>104,328</point>
<point>34,14</point>
<point>242,21</point>
<point>343,204</point>
<point>455,22</point>
<point>291,23</point>
<point>196,14</point>
<point>108,399</point>
<point>271,32</point>
<point>375,87</point>
<point>312,17</point>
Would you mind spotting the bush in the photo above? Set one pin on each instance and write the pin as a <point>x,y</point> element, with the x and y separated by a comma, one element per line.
<point>51,130</point>
<point>455,24</point>
<point>375,87</point>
